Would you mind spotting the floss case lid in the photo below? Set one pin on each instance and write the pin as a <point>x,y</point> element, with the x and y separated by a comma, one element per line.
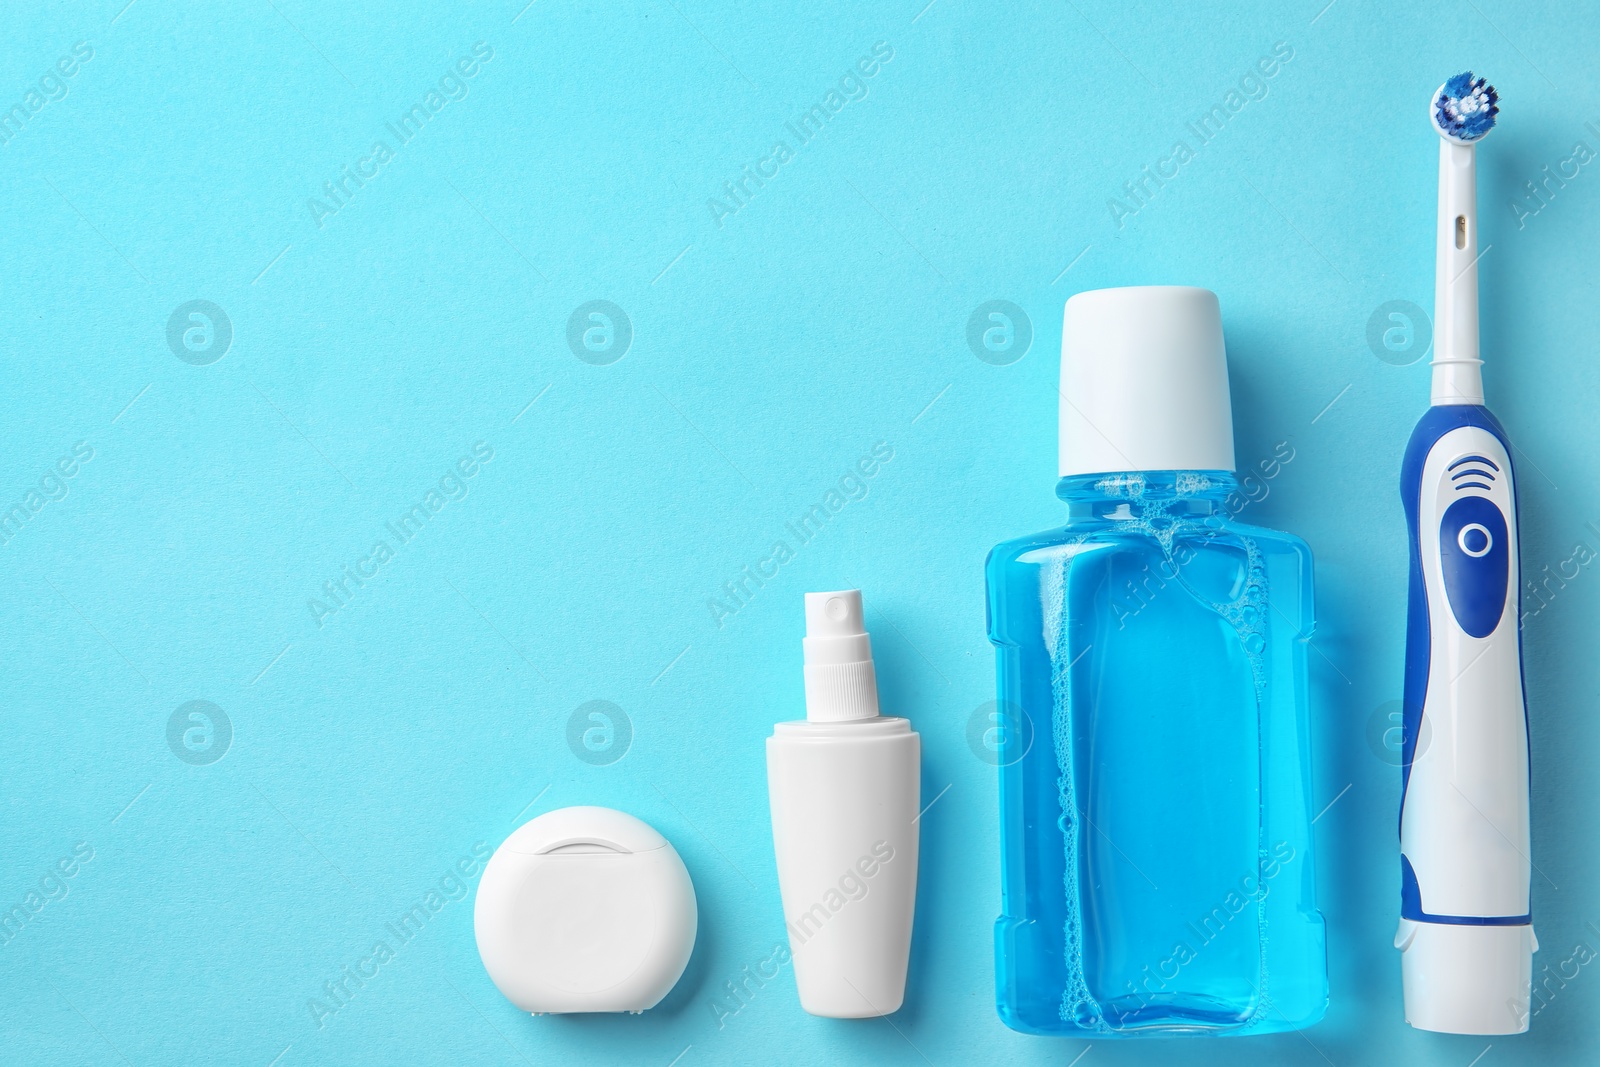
<point>585,909</point>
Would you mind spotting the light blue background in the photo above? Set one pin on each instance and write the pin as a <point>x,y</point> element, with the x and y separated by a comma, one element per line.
<point>769,353</point>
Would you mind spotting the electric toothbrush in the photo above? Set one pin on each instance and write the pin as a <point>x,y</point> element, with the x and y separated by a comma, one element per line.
<point>1466,933</point>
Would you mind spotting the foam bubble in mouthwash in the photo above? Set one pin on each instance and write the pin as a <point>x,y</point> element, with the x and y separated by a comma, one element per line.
<point>1157,864</point>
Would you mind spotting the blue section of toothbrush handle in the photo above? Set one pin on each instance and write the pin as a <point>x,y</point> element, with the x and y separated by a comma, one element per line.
<point>1474,556</point>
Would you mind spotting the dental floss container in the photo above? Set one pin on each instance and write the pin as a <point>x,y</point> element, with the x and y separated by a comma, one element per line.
<point>585,909</point>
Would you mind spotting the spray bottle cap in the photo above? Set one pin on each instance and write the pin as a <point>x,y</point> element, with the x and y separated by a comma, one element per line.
<point>840,681</point>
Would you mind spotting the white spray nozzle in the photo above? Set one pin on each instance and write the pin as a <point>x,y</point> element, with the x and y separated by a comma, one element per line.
<point>841,683</point>
<point>834,614</point>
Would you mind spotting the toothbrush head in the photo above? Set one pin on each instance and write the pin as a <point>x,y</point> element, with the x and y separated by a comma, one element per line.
<point>1464,108</point>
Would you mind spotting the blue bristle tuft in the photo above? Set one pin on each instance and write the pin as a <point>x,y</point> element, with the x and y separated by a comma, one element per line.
<point>1466,107</point>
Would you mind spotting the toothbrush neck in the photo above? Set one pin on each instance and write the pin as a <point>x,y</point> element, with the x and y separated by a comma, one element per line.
<point>1457,373</point>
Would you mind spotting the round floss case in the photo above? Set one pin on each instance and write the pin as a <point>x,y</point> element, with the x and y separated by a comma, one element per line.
<point>585,909</point>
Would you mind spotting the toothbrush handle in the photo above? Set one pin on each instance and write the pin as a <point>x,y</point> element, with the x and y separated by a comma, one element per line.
<point>1464,836</point>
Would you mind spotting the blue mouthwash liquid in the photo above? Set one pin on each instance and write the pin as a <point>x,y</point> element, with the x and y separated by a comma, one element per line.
<point>1155,792</point>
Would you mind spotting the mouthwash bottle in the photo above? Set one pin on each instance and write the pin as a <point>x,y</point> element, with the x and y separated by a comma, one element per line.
<point>1155,782</point>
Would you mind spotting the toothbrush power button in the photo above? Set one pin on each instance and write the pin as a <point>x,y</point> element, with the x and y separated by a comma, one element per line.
<point>1475,540</point>
<point>1475,562</point>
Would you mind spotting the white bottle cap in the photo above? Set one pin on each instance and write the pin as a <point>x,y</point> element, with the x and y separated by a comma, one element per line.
<point>1144,382</point>
<point>840,680</point>
<point>1461,979</point>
